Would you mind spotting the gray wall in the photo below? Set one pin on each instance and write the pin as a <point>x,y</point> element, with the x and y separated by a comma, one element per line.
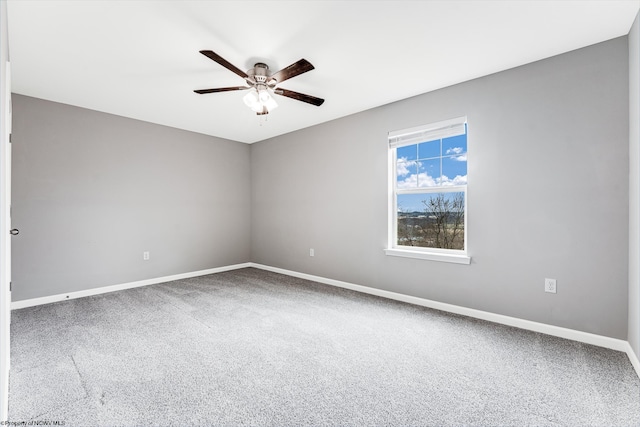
<point>634,186</point>
<point>547,196</point>
<point>92,191</point>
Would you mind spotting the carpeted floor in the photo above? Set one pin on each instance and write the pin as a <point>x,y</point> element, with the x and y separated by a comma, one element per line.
<point>254,348</point>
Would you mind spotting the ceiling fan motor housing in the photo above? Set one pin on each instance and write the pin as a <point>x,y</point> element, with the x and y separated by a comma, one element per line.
<point>259,75</point>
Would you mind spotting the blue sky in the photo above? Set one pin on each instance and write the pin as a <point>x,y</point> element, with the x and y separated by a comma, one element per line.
<point>430,164</point>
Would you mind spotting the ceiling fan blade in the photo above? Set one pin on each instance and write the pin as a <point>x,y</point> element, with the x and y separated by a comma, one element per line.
<point>226,64</point>
<point>292,70</point>
<point>299,96</point>
<point>221,89</point>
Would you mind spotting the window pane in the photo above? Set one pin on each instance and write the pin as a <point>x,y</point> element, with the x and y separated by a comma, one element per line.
<point>431,220</point>
<point>455,146</point>
<point>410,152</point>
<point>454,170</point>
<point>406,174</point>
<point>429,149</point>
<point>429,172</point>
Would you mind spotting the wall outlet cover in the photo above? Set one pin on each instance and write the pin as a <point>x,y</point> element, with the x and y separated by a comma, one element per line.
<point>550,285</point>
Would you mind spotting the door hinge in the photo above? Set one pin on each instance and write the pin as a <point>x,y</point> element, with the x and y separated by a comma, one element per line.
<point>10,138</point>
<point>10,283</point>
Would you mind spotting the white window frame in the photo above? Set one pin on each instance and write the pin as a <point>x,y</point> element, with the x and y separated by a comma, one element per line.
<point>412,136</point>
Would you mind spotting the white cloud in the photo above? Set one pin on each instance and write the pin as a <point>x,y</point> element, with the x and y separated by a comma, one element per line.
<point>457,150</point>
<point>401,169</point>
<point>423,180</point>
<point>408,182</point>
<point>402,166</point>
<point>458,180</point>
<point>415,181</point>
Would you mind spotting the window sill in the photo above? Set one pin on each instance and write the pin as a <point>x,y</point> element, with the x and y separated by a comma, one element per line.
<point>431,256</point>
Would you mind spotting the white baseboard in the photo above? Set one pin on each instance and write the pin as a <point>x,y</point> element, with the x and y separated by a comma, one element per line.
<point>584,337</point>
<point>633,357</point>
<point>96,291</point>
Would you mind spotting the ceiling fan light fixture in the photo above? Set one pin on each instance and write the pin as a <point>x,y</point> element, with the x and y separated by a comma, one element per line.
<point>258,100</point>
<point>269,102</point>
<point>263,95</point>
<point>251,99</point>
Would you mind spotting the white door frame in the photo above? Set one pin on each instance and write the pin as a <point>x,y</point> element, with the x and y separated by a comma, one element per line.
<point>5,238</point>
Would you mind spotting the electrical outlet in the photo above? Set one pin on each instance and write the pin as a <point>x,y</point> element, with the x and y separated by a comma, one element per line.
<point>550,285</point>
<point>145,256</point>
<point>312,252</point>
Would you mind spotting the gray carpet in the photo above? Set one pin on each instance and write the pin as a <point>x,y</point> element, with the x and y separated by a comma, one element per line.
<point>254,348</point>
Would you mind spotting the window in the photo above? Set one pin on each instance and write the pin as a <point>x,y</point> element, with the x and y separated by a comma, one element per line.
<point>428,197</point>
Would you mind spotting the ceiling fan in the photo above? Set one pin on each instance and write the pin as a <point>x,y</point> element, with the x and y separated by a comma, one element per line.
<point>263,82</point>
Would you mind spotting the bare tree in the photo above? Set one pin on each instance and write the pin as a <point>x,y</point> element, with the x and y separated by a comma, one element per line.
<point>445,227</point>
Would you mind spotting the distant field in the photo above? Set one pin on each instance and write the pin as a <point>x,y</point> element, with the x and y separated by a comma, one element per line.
<point>420,230</point>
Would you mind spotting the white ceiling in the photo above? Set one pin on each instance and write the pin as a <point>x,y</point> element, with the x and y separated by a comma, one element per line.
<point>140,59</point>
